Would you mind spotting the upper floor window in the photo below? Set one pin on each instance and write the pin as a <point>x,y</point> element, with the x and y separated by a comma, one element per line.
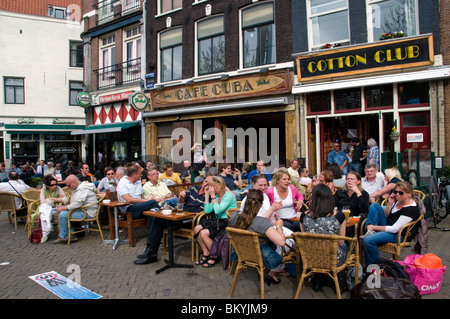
<point>105,10</point>
<point>328,22</point>
<point>133,43</point>
<point>57,12</point>
<point>76,54</point>
<point>386,16</point>
<point>107,51</point>
<point>169,5</point>
<point>258,33</point>
<point>211,45</point>
<point>75,87</point>
<point>171,54</point>
<point>14,90</point>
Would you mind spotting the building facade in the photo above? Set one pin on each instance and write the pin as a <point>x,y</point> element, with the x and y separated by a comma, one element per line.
<point>221,73</point>
<point>41,74</point>
<point>364,69</point>
<point>113,44</point>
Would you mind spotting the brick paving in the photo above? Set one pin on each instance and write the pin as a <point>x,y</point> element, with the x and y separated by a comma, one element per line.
<point>113,275</point>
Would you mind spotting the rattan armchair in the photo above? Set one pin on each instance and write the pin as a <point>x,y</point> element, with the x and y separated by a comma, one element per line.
<point>32,218</point>
<point>318,255</point>
<point>86,218</point>
<point>8,205</point>
<point>31,195</point>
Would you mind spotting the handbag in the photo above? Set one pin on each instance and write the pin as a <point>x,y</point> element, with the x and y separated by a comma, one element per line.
<point>36,235</point>
<point>388,284</point>
<point>425,271</point>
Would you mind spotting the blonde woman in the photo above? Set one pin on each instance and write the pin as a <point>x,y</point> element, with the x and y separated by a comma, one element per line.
<point>383,224</point>
<point>391,177</point>
<point>217,201</point>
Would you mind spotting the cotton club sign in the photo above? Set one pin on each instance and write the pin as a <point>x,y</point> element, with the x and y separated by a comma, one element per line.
<point>384,55</point>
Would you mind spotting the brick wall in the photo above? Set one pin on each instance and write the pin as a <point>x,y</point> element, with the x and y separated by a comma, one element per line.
<point>445,51</point>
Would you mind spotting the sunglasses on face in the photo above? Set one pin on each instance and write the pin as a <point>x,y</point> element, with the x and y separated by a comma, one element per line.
<point>401,193</point>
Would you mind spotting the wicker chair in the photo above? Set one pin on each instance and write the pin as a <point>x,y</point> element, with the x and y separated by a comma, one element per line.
<point>247,247</point>
<point>8,205</point>
<point>318,255</point>
<point>86,218</point>
<point>68,191</point>
<point>186,233</point>
<point>32,221</point>
<point>31,195</point>
<point>420,194</point>
<point>396,248</point>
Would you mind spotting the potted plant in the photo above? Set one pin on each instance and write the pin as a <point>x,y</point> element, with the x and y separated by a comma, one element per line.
<point>392,35</point>
<point>394,134</point>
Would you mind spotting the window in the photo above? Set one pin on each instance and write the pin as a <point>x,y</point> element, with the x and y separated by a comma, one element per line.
<point>319,102</point>
<point>107,59</point>
<point>328,22</point>
<point>14,90</point>
<point>76,54</point>
<point>386,16</point>
<point>171,54</point>
<point>258,30</point>
<point>347,100</point>
<point>105,10</point>
<point>169,5</point>
<point>133,43</point>
<point>74,88</point>
<point>57,12</point>
<point>211,45</point>
<point>379,96</point>
<point>413,94</point>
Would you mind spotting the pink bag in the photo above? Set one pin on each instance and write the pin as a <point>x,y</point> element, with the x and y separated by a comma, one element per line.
<point>425,271</point>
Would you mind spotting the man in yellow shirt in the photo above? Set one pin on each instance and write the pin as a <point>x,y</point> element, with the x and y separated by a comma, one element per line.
<point>168,174</point>
<point>157,190</point>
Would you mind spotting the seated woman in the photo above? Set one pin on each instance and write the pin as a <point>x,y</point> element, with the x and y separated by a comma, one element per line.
<point>288,195</point>
<point>325,177</point>
<point>51,194</point>
<point>391,177</point>
<point>353,196</point>
<point>383,224</point>
<point>322,219</point>
<point>249,219</point>
<point>217,201</point>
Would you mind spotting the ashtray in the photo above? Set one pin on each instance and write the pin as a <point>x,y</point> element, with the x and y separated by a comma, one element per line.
<point>167,211</point>
<point>106,201</point>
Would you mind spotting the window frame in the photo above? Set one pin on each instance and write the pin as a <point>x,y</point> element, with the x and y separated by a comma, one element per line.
<point>258,26</point>
<point>310,17</point>
<point>76,51</point>
<point>74,90</point>
<point>172,48</point>
<point>210,37</point>
<point>160,6</point>
<point>14,86</point>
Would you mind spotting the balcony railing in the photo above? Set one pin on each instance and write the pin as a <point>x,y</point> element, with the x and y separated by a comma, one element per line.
<point>119,74</point>
<point>105,9</point>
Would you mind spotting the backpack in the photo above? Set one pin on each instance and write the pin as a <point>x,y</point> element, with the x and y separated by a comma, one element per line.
<point>36,234</point>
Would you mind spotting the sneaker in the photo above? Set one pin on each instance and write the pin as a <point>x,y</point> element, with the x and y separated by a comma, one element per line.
<point>44,239</point>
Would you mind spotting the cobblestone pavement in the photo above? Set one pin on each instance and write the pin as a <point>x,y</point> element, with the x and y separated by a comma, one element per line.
<point>113,275</point>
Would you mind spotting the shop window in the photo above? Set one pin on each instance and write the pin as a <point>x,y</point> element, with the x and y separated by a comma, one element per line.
<point>328,22</point>
<point>413,94</point>
<point>258,30</point>
<point>61,151</point>
<point>171,54</point>
<point>319,102</point>
<point>379,96</point>
<point>392,16</point>
<point>211,45</point>
<point>414,120</point>
<point>347,100</point>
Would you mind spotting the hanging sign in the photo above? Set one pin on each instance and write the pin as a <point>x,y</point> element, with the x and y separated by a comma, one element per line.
<point>84,99</point>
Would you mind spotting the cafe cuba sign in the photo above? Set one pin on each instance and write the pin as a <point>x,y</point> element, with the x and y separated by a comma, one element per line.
<point>231,88</point>
<point>373,57</point>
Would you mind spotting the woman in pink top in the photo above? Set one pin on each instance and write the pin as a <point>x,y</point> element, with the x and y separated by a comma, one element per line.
<point>286,193</point>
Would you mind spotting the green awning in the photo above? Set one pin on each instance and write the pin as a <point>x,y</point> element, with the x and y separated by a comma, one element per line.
<point>41,128</point>
<point>105,128</point>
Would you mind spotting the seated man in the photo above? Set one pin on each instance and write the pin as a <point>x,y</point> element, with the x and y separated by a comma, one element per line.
<point>304,176</point>
<point>259,170</point>
<point>130,190</point>
<point>83,195</point>
<point>157,190</point>
<point>233,183</point>
<point>169,177</point>
<point>15,186</point>
<point>194,200</point>
<point>373,181</point>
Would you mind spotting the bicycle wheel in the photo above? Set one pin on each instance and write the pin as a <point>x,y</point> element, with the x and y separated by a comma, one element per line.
<point>444,203</point>
<point>434,195</point>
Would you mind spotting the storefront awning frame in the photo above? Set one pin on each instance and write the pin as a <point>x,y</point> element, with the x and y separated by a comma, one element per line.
<point>105,128</point>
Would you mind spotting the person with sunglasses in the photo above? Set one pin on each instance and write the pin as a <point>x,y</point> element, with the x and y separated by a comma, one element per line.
<point>108,182</point>
<point>50,196</point>
<point>383,224</point>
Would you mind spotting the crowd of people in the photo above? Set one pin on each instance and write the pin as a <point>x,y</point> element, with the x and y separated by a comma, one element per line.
<point>267,203</point>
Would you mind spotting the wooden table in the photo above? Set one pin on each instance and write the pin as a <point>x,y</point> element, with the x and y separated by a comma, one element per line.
<point>116,241</point>
<point>171,219</point>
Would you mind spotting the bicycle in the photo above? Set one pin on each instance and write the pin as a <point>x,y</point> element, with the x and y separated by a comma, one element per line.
<point>440,200</point>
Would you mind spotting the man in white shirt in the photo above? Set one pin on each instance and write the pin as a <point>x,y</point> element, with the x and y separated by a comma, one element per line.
<point>304,176</point>
<point>15,186</point>
<point>373,181</point>
<point>130,190</point>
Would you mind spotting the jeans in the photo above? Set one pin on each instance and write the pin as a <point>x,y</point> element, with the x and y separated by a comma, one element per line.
<point>63,217</point>
<point>270,257</point>
<point>357,167</point>
<point>137,211</point>
<point>376,217</point>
